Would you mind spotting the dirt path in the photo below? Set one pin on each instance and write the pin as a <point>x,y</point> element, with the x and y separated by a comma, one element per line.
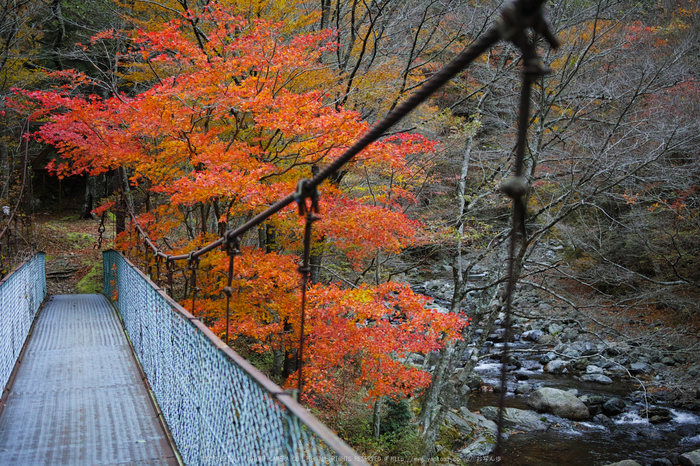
<point>73,262</point>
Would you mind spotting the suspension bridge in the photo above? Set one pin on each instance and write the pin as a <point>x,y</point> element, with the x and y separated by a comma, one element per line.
<point>131,377</point>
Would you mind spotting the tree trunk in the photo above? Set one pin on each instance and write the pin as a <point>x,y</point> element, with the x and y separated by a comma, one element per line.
<point>120,210</point>
<point>96,188</point>
<point>376,417</point>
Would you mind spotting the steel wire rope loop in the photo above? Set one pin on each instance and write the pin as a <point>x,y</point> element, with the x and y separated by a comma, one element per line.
<point>516,18</point>
<point>305,190</point>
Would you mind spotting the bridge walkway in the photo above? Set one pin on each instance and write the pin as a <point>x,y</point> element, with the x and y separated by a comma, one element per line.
<point>78,397</point>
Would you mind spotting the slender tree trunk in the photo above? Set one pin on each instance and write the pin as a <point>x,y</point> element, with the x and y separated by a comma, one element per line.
<point>376,417</point>
<point>120,211</point>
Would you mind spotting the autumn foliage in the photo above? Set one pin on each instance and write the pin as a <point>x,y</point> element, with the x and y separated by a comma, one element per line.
<point>226,127</point>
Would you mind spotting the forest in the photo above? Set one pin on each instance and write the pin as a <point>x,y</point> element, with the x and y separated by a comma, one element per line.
<point>185,119</point>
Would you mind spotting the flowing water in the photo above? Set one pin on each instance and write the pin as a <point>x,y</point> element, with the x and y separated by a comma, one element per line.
<point>581,443</point>
<point>587,443</point>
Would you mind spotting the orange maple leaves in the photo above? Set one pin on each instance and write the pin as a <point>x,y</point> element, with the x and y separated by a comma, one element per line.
<point>234,123</point>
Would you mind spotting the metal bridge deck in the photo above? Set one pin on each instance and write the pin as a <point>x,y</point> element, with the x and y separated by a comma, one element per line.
<point>78,397</point>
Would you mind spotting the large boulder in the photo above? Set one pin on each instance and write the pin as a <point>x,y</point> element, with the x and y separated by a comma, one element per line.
<point>514,418</point>
<point>483,437</point>
<point>692,458</point>
<point>558,402</point>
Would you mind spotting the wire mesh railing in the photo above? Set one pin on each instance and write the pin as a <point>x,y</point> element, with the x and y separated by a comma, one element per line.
<point>220,410</point>
<point>21,294</point>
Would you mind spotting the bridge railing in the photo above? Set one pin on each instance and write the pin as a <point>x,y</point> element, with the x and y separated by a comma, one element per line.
<point>220,409</point>
<point>21,294</point>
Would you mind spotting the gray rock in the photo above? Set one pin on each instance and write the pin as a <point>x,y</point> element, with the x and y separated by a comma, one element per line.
<point>465,428</point>
<point>692,458</point>
<point>656,415</point>
<point>605,420</point>
<point>593,369</point>
<point>474,382</point>
<point>624,463</point>
<point>640,368</point>
<point>547,340</point>
<point>570,334</point>
<point>514,418</point>
<point>580,364</point>
<point>586,348</point>
<point>668,361</point>
<point>592,400</point>
<point>596,378</point>
<point>558,402</point>
<point>551,356</point>
<point>557,366</point>
<point>554,329</point>
<point>679,358</point>
<point>613,407</point>
<point>483,445</point>
<point>532,335</point>
<point>478,420</point>
<point>523,389</point>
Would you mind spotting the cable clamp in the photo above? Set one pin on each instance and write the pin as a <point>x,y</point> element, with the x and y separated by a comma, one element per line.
<point>232,245</point>
<point>306,191</point>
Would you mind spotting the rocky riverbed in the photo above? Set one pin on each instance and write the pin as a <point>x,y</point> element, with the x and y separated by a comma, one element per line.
<point>573,396</point>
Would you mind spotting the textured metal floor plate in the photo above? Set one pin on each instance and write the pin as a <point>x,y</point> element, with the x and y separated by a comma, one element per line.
<point>78,397</point>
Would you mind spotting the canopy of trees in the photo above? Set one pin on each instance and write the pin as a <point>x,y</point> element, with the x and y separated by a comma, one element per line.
<point>216,110</point>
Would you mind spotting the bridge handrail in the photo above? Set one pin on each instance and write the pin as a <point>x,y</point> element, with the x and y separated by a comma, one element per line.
<point>21,294</point>
<point>219,408</point>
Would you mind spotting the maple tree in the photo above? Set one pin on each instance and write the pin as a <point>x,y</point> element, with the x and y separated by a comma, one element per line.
<point>229,126</point>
